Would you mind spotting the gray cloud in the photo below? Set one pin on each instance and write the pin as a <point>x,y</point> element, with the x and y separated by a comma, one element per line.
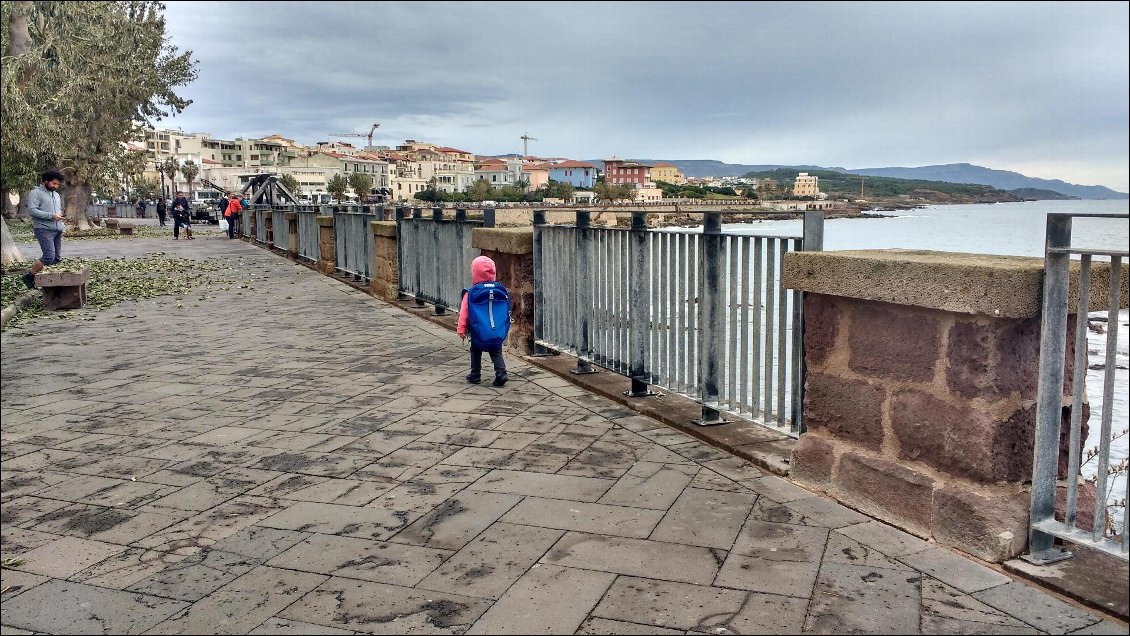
<point>1036,87</point>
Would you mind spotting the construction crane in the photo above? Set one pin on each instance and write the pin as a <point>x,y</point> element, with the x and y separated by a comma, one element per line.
<point>367,136</point>
<point>526,139</point>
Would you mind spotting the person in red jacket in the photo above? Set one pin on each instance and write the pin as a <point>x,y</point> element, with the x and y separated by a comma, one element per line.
<point>231,213</point>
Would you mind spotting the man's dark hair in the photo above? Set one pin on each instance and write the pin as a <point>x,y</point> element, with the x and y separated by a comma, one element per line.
<point>52,175</point>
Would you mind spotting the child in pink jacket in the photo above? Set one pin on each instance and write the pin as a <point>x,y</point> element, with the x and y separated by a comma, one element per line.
<point>482,271</point>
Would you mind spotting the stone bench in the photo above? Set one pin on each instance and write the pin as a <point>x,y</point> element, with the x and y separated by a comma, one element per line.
<point>111,223</point>
<point>125,228</point>
<point>63,290</point>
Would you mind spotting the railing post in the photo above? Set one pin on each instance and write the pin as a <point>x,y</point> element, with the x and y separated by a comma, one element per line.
<point>1049,400</point>
<point>437,218</point>
<point>582,234</point>
<point>812,240</point>
<point>640,306</point>
<point>488,217</point>
<point>539,282</point>
<point>461,215</point>
<point>711,316</point>
<point>399,215</point>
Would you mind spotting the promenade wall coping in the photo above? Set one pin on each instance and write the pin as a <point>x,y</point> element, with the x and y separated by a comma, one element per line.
<point>383,228</point>
<point>518,240</point>
<point>325,221</point>
<point>998,286</point>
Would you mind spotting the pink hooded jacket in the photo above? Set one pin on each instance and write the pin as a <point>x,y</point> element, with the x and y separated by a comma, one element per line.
<point>482,271</point>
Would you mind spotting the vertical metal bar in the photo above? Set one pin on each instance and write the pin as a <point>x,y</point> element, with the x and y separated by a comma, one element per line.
<point>755,337</point>
<point>745,381</point>
<point>711,330</point>
<point>683,278</point>
<point>417,232</point>
<point>1099,527</point>
<point>796,358</point>
<point>640,304</point>
<point>770,328</point>
<point>733,334</point>
<point>694,312</point>
<point>539,281</point>
<point>1077,389</point>
<point>1049,403</point>
<point>584,294</point>
<point>782,335</point>
<point>670,279</point>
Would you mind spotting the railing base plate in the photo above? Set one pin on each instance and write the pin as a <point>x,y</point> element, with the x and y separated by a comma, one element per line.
<point>709,422</point>
<point>639,394</point>
<point>1047,557</point>
<point>583,371</point>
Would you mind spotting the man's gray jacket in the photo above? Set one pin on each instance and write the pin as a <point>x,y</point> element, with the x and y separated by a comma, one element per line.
<point>43,205</point>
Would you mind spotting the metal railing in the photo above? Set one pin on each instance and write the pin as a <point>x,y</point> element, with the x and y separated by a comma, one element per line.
<point>308,246</point>
<point>280,229</point>
<point>261,212</point>
<point>701,314</point>
<point>1045,528</point>
<point>112,210</point>
<point>434,256</point>
<point>353,241</point>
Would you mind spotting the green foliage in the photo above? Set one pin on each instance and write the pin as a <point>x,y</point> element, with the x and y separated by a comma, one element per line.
<point>145,189</point>
<point>189,170</point>
<point>687,191</point>
<point>336,186</point>
<point>362,185</point>
<point>115,280</point>
<point>557,190</point>
<point>87,76</point>
<point>290,182</point>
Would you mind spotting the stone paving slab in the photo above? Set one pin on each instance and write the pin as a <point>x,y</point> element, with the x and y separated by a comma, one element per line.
<point>325,468</point>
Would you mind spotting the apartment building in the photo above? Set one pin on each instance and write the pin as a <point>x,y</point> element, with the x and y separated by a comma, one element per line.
<point>806,185</point>
<point>577,173</point>
<point>667,173</point>
<point>619,171</point>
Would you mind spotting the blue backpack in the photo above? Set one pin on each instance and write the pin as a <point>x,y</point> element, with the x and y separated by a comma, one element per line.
<point>488,315</point>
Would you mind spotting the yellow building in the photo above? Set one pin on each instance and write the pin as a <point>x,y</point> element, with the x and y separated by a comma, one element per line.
<point>667,173</point>
<point>806,185</point>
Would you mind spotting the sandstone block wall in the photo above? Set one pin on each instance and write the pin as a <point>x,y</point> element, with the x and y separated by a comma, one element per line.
<point>920,400</point>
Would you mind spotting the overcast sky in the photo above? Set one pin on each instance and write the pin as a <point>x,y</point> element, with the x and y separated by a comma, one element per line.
<point>1039,88</point>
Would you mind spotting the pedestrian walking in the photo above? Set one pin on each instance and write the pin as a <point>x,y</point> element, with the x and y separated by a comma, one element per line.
<point>46,210</point>
<point>162,210</point>
<point>141,204</point>
<point>484,315</point>
<point>181,217</point>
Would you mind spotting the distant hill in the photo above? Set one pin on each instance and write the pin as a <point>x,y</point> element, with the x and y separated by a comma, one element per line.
<point>910,191</point>
<point>1036,194</point>
<point>1000,179</point>
<point>711,168</point>
<point>949,173</point>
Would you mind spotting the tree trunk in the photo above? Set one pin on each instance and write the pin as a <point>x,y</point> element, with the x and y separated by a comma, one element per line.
<point>21,209</point>
<point>9,201</point>
<point>76,198</point>
<point>9,253</point>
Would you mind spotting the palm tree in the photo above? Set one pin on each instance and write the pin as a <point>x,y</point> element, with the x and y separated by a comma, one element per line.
<point>189,171</point>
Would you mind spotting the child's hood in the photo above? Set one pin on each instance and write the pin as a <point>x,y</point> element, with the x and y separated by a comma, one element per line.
<point>482,270</point>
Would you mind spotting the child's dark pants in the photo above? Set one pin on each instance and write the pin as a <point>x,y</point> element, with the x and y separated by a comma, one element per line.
<point>495,358</point>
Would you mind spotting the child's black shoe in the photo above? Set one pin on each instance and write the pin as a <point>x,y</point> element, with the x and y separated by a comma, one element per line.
<point>500,380</point>
<point>473,378</point>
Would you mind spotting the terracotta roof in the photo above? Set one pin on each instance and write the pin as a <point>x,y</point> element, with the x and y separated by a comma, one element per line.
<point>447,149</point>
<point>571,164</point>
<point>664,164</point>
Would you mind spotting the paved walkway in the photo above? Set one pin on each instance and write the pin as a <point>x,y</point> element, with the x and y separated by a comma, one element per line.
<point>297,457</point>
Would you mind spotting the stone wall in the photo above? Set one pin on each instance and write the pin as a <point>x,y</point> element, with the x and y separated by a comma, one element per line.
<point>921,390</point>
<point>385,282</point>
<point>512,250</point>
